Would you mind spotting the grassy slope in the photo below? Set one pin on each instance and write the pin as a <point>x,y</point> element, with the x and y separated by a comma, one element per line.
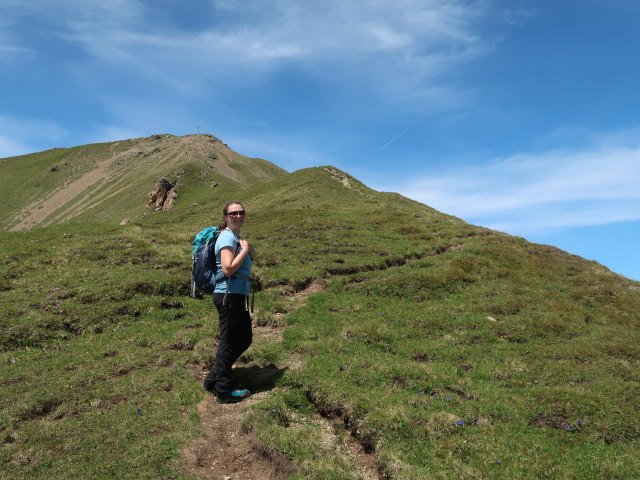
<point>134,166</point>
<point>99,341</point>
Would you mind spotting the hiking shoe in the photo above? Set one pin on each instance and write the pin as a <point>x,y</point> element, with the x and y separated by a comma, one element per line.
<point>234,396</point>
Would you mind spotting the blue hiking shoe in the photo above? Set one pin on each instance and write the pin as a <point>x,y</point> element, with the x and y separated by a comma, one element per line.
<point>234,396</point>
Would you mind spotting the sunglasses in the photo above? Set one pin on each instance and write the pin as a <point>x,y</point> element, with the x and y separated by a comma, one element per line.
<point>239,213</point>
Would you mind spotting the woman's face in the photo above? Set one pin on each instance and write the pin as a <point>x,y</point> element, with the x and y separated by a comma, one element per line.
<point>235,216</point>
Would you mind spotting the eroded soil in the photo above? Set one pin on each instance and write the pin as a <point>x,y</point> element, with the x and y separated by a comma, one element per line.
<point>225,452</point>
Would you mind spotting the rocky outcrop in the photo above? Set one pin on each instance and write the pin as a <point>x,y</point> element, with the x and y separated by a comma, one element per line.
<point>163,195</point>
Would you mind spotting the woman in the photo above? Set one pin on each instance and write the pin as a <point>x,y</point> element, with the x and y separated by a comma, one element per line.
<point>234,256</point>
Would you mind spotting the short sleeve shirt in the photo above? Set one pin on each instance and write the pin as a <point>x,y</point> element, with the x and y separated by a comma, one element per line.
<point>237,284</point>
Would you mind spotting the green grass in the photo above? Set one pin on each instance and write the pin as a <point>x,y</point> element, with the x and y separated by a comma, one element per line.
<point>407,373</point>
<point>447,350</point>
<point>114,405</point>
<point>195,162</point>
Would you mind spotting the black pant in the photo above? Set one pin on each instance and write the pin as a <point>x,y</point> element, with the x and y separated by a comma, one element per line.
<point>235,338</point>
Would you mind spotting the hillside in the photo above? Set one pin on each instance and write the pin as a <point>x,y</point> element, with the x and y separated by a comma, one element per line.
<point>392,341</point>
<point>109,181</point>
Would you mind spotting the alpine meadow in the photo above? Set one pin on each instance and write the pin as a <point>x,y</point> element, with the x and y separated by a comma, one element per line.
<point>391,341</point>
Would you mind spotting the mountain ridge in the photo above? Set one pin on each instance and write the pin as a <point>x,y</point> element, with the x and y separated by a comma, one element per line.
<point>90,175</point>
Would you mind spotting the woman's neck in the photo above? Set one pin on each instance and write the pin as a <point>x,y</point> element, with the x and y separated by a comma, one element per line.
<point>236,231</point>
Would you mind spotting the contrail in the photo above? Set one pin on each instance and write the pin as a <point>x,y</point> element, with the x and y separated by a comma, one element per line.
<point>392,140</point>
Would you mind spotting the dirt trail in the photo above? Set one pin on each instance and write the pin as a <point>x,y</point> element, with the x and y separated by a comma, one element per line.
<point>36,212</point>
<point>224,452</point>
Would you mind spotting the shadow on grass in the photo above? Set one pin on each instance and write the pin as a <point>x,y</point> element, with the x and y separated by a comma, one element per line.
<point>257,379</point>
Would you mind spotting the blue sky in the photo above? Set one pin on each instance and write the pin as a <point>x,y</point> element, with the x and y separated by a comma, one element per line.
<point>519,115</point>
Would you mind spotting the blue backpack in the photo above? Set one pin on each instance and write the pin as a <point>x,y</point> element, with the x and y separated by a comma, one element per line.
<point>204,268</point>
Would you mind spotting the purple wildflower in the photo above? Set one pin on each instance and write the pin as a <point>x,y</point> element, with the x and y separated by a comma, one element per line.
<point>567,427</point>
<point>460,422</point>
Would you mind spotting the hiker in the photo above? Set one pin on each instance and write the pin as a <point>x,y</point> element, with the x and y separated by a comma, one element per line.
<point>234,257</point>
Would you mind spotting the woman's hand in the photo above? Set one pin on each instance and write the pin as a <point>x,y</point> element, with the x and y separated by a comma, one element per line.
<point>231,261</point>
<point>247,247</point>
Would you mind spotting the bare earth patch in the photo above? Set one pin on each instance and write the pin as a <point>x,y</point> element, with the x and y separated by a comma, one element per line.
<point>366,466</point>
<point>225,453</point>
<point>341,178</point>
<point>35,213</point>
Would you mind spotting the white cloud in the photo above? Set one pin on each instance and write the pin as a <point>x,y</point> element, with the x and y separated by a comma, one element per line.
<point>59,17</point>
<point>20,136</point>
<point>12,52</point>
<point>140,118</point>
<point>532,193</point>
<point>9,147</point>
<point>112,12</point>
<point>289,151</point>
<point>114,133</point>
<point>550,219</point>
<point>396,46</point>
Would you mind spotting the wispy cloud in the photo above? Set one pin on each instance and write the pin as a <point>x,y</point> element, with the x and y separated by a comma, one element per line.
<point>113,12</point>
<point>396,46</point>
<point>289,151</point>
<point>543,192</point>
<point>7,52</point>
<point>140,118</point>
<point>392,140</point>
<point>21,21</point>
<point>19,136</point>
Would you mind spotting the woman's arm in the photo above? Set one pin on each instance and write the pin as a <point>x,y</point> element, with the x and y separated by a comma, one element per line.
<point>231,262</point>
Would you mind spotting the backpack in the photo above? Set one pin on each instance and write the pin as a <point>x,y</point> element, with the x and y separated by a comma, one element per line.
<point>204,268</point>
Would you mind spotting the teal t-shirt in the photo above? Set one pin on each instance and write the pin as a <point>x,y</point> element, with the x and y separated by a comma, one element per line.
<point>237,284</point>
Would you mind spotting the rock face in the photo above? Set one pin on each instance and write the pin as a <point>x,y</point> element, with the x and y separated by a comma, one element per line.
<point>163,195</point>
